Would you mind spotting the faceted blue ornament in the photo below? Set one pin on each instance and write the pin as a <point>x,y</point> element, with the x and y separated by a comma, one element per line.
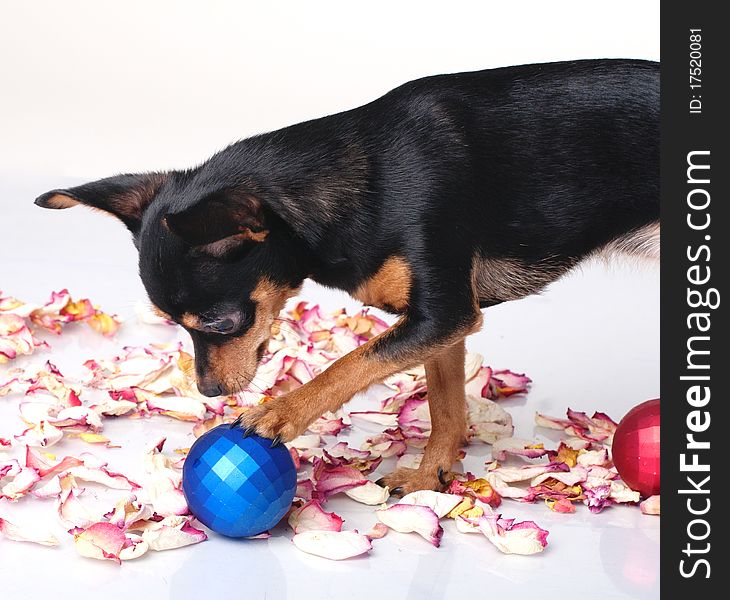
<point>238,486</point>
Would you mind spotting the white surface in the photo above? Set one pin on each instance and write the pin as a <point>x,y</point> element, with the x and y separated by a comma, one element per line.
<point>91,89</point>
<point>94,88</point>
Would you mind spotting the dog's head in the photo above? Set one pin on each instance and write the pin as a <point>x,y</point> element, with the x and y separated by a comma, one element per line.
<point>212,257</point>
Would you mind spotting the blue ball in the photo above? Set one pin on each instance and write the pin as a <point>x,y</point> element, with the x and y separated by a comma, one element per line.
<point>238,486</point>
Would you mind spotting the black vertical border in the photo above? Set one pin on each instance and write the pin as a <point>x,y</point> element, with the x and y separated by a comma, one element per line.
<point>681,133</point>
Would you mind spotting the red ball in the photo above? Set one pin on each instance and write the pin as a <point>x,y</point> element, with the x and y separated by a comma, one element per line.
<point>636,448</point>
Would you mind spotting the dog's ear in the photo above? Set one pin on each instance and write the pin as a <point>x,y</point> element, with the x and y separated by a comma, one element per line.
<point>124,196</point>
<point>221,222</point>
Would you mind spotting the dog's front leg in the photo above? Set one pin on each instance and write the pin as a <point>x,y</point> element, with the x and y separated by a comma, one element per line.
<point>409,342</point>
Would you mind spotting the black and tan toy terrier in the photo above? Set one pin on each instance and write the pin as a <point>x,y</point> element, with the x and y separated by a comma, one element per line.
<point>447,195</point>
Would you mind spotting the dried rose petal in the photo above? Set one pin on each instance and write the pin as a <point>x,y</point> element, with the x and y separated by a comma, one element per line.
<point>40,463</point>
<point>26,534</point>
<point>480,489</point>
<point>651,506</point>
<point>513,538</point>
<point>172,532</point>
<point>332,480</point>
<point>134,547</point>
<point>369,493</point>
<point>311,517</point>
<point>305,489</point>
<point>23,480</point>
<point>71,511</point>
<point>128,511</point>
<point>15,338</point>
<point>517,447</point>
<point>439,503</point>
<point>488,421</point>
<point>372,416</point>
<point>562,505</point>
<point>334,545</point>
<point>507,383</point>
<point>102,541</point>
<point>43,434</point>
<point>407,518</point>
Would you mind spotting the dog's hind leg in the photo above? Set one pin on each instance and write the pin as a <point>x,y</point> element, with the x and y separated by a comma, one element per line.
<point>447,407</point>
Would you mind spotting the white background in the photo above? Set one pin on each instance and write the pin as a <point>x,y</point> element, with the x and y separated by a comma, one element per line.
<point>94,88</point>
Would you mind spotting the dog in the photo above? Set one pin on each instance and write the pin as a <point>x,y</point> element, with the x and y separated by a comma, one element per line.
<point>445,196</point>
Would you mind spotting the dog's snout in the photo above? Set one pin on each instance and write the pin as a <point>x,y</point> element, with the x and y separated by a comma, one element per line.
<point>210,388</point>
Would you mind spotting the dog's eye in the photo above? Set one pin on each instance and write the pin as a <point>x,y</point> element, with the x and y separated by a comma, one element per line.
<point>223,326</point>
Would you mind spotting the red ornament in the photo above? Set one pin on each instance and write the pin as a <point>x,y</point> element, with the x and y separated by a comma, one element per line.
<point>636,448</point>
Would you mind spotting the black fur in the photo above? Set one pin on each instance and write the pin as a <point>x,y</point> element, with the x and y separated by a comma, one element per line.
<point>534,167</point>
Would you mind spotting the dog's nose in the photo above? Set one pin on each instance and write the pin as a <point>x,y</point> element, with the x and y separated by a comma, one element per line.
<point>210,388</point>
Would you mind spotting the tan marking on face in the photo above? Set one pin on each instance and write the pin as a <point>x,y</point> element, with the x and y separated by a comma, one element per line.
<point>234,362</point>
<point>256,236</point>
<point>389,288</point>
<point>191,321</point>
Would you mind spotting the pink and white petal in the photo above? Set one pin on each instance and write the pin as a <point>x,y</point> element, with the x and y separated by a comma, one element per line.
<point>71,511</point>
<point>517,447</point>
<point>621,493</point>
<point>590,458</point>
<point>166,498</point>
<point>50,489</point>
<point>27,533</point>
<point>178,407</point>
<point>135,546</point>
<point>305,489</point>
<point>548,422</point>
<point>651,506</point>
<point>329,481</point>
<point>325,426</point>
<point>128,511</point>
<point>479,385</point>
<point>487,420</point>
<point>20,485</point>
<point>37,461</point>
<point>306,441</point>
<point>172,532</point>
<point>311,517</point>
<point>575,476</point>
<point>43,434</point>
<point>369,493</point>
<point>407,518</point>
<point>101,475</point>
<point>333,545</point>
<point>513,538</point>
<point>441,504</point>
<point>466,525</point>
<point>102,541</point>
<point>507,383</point>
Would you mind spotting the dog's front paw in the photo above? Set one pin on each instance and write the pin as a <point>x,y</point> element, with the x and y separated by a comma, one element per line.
<point>273,420</point>
<point>404,481</point>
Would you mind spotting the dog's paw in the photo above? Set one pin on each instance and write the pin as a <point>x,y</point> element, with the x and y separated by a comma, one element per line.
<point>271,420</point>
<point>404,481</point>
